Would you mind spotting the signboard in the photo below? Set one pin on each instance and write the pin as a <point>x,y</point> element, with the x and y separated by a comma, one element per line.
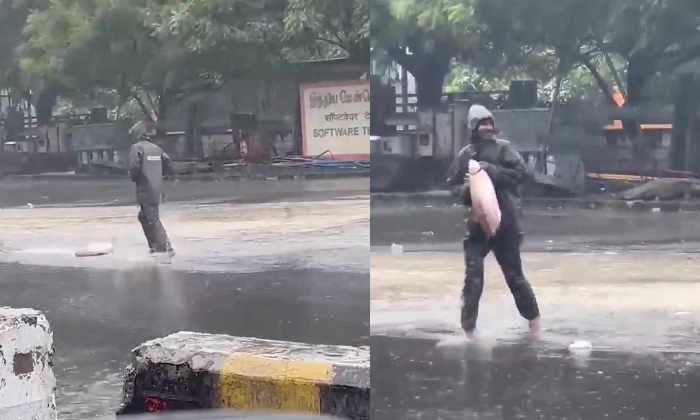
<point>335,118</point>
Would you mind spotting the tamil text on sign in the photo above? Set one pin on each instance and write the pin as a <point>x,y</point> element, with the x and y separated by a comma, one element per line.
<point>335,118</point>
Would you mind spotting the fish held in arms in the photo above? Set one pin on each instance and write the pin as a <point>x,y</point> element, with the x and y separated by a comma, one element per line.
<point>484,200</point>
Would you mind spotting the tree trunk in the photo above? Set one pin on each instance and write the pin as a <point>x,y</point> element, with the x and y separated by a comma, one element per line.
<point>429,70</point>
<point>162,113</point>
<point>676,153</point>
<point>359,51</point>
<point>143,107</point>
<point>430,79</point>
<point>600,81</point>
<point>692,138</point>
<point>638,73</point>
<point>193,138</point>
<point>45,104</point>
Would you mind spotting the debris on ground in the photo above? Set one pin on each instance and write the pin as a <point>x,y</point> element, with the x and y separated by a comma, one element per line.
<point>663,189</point>
<point>96,249</point>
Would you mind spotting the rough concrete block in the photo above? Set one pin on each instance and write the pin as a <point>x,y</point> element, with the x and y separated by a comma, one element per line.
<point>27,382</point>
<point>190,370</point>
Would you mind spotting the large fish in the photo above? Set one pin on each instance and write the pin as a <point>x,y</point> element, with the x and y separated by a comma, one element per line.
<point>484,201</point>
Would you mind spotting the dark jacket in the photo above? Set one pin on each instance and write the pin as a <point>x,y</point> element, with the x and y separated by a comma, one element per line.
<point>147,165</point>
<point>505,166</point>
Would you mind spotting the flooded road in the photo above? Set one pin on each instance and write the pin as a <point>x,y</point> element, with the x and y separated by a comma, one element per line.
<point>616,301</point>
<point>98,316</point>
<point>119,191</point>
<point>288,270</point>
<point>413,379</point>
<point>621,325</point>
<point>442,229</point>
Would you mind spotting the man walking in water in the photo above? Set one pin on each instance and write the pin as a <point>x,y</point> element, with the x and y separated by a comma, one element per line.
<point>507,171</point>
<point>147,165</point>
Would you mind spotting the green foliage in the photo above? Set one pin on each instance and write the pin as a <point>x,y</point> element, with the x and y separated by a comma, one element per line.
<point>169,49</point>
<point>423,26</point>
<point>225,37</point>
<point>86,48</point>
<point>13,16</point>
<point>424,37</point>
<point>330,27</point>
<point>586,41</point>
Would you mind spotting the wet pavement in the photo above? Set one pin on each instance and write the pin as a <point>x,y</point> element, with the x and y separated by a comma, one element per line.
<point>415,380</point>
<point>442,229</point>
<point>98,316</point>
<point>115,191</point>
<point>288,270</point>
<point>621,327</point>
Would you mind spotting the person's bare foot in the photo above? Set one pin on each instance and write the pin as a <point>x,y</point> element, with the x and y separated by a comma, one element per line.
<point>535,326</point>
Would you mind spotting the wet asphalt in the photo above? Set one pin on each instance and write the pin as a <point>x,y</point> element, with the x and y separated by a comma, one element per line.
<point>420,374</point>
<point>117,191</point>
<point>441,229</point>
<point>99,315</point>
<point>416,379</point>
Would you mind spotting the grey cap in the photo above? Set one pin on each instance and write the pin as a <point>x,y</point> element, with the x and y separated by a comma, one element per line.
<point>476,114</point>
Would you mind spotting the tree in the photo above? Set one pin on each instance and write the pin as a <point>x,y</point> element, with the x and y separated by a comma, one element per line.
<point>228,38</point>
<point>650,38</point>
<point>13,17</point>
<point>86,46</point>
<point>155,53</point>
<point>424,37</point>
<point>330,27</point>
<point>552,38</point>
<point>577,86</point>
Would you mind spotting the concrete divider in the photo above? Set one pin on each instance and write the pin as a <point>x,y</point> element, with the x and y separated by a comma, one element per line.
<point>27,382</point>
<point>189,370</point>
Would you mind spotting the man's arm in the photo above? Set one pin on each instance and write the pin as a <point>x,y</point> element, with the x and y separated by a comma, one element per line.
<point>167,164</point>
<point>456,177</point>
<point>135,163</point>
<point>511,170</point>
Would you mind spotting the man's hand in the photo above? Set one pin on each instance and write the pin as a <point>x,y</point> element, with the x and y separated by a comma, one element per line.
<point>462,191</point>
<point>484,165</point>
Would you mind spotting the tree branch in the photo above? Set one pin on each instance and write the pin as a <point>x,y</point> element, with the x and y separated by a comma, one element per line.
<point>142,106</point>
<point>332,42</point>
<point>600,80</point>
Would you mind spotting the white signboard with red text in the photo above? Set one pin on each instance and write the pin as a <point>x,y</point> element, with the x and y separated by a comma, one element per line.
<point>335,118</point>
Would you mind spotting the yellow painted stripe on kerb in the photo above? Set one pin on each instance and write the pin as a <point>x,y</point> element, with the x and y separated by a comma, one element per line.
<point>249,382</point>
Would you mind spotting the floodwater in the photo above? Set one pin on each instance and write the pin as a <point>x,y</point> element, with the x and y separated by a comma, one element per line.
<point>442,229</point>
<point>621,325</point>
<point>282,269</point>
<point>414,379</point>
<point>98,315</point>
<point>119,191</point>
